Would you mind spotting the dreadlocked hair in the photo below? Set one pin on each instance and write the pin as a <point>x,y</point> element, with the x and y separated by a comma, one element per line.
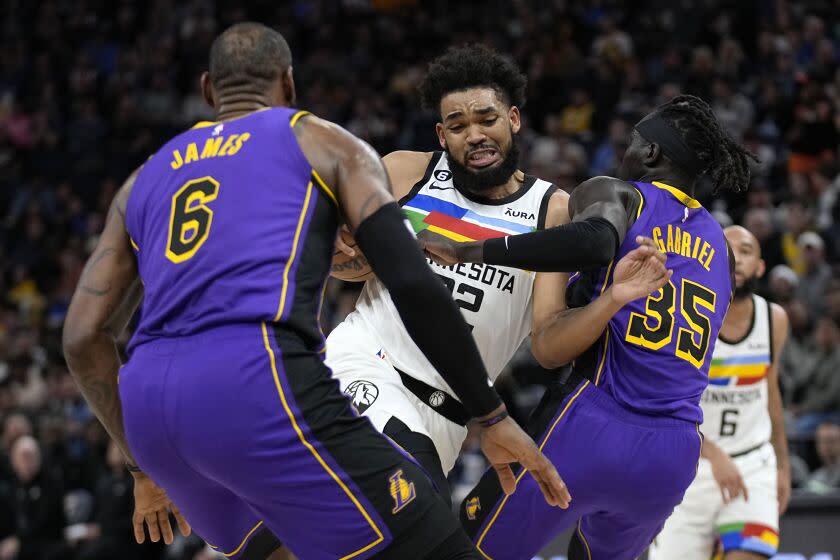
<point>724,160</point>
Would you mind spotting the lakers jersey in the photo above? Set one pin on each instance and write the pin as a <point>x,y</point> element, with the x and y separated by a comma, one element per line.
<point>231,225</point>
<point>655,353</point>
<point>495,300</point>
<point>735,404</point>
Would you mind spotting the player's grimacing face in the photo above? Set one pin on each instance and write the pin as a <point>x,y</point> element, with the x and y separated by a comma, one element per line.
<point>477,127</point>
<point>745,248</point>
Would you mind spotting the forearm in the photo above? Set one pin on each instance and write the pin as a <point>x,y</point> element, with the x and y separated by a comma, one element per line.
<point>570,332</point>
<point>422,300</point>
<point>585,245</point>
<point>94,362</point>
<point>779,441</point>
<point>710,450</point>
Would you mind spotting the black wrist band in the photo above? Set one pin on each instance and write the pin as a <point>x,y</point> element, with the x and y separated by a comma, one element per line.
<point>494,419</point>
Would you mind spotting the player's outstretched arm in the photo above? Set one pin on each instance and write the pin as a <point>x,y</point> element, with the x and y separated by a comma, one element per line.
<point>364,195</point>
<point>562,336</point>
<point>600,209</point>
<point>108,293</point>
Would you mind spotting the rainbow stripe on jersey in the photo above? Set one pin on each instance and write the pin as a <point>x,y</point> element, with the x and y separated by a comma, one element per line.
<point>457,223</point>
<point>739,370</point>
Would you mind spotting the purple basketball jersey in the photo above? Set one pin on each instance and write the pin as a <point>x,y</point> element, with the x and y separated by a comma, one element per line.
<point>230,225</point>
<point>654,356</point>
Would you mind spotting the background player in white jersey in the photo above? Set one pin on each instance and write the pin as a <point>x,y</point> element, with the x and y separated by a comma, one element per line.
<point>470,191</point>
<point>745,453</point>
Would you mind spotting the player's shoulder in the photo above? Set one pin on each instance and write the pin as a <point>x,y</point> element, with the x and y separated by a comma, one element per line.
<point>557,210</point>
<point>407,162</point>
<point>778,318</point>
<point>405,169</point>
<point>604,188</point>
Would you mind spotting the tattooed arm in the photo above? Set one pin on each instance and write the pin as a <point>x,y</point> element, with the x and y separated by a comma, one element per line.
<point>107,295</point>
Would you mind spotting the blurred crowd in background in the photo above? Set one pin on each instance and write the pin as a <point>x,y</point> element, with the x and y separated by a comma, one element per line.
<point>90,88</point>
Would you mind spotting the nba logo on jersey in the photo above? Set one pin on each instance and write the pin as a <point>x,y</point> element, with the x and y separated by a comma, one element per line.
<point>402,491</point>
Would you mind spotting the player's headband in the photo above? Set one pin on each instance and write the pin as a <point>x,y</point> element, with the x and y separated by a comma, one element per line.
<point>657,129</point>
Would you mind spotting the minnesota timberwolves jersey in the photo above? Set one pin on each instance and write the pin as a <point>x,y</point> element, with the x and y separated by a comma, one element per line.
<point>230,224</point>
<point>735,404</point>
<point>495,301</point>
<point>655,353</point>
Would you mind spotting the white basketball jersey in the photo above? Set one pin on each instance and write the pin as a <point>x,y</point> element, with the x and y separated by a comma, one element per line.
<point>734,404</point>
<point>495,300</point>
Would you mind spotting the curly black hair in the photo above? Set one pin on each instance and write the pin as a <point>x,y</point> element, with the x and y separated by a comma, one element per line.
<point>724,160</point>
<point>469,66</point>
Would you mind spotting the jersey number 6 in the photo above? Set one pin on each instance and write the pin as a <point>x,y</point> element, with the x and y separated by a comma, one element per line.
<point>190,218</point>
<point>655,329</point>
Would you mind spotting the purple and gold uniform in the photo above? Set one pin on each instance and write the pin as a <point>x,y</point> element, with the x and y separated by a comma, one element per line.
<point>623,430</point>
<point>226,401</point>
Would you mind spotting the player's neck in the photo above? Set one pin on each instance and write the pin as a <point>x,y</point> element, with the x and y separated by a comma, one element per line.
<point>237,105</point>
<point>739,317</point>
<point>504,190</point>
<point>679,181</point>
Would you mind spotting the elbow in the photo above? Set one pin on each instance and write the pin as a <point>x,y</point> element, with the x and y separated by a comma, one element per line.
<point>549,356</point>
<point>76,340</point>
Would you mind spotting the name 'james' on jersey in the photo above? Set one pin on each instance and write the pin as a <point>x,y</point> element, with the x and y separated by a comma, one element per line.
<point>655,354</point>
<point>231,225</point>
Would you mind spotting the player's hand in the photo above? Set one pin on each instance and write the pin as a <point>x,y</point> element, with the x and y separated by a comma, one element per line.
<point>343,241</point>
<point>152,506</point>
<point>728,478</point>
<point>506,443</point>
<point>640,272</point>
<point>440,249</point>
<point>783,489</point>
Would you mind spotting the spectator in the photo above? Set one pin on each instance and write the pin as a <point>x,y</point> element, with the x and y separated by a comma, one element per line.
<point>37,507</point>
<point>817,272</point>
<point>110,533</point>
<point>734,110</point>
<point>827,477</point>
<point>821,400</point>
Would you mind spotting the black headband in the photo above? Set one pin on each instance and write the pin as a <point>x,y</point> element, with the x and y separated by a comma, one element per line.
<point>659,130</point>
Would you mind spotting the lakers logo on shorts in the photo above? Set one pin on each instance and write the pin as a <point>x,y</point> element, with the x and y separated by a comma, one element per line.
<point>473,506</point>
<point>362,393</point>
<point>401,490</point>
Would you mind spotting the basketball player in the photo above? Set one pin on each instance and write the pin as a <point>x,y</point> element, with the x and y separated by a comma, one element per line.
<point>745,451</point>
<point>225,402</point>
<point>471,190</point>
<point>624,429</point>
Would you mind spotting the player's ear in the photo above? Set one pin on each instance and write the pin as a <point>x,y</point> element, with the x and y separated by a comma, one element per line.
<point>515,119</point>
<point>207,89</point>
<point>651,153</point>
<point>288,83</point>
<point>440,134</point>
<point>762,267</point>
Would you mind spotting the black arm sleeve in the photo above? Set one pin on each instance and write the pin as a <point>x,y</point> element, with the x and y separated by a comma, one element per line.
<point>426,308</point>
<point>586,245</point>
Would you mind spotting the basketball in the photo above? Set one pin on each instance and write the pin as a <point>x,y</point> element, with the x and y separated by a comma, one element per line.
<point>347,268</point>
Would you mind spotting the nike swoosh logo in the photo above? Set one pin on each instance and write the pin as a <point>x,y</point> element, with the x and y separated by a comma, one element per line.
<point>437,188</point>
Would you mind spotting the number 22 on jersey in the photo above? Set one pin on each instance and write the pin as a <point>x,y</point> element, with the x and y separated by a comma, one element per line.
<point>190,218</point>
<point>655,329</point>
